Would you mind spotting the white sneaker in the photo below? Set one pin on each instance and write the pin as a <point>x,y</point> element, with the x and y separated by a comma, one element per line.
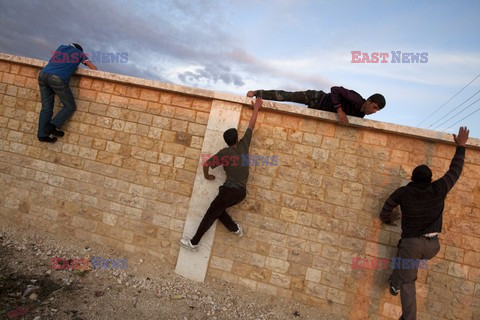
<point>239,232</point>
<point>187,244</point>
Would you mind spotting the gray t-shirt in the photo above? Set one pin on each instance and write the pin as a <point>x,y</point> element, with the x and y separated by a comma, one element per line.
<point>235,161</point>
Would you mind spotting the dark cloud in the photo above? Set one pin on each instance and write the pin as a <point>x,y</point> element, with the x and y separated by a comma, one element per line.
<point>157,35</point>
<point>185,33</point>
<point>215,73</point>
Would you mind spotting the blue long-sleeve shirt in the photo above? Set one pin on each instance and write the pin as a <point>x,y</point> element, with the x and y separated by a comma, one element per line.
<point>64,61</point>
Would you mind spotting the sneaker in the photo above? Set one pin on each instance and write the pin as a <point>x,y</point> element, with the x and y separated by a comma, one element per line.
<point>187,244</point>
<point>51,129</point>
<point>239,232</point>
<point>393,291</point>
<point>47,139</point>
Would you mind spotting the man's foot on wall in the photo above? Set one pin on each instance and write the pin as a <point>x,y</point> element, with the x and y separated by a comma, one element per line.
<point>51,129</point>
<point>47,139</point>
<point>239,232</point>
<point>393,291</point>
<point>187,244</point>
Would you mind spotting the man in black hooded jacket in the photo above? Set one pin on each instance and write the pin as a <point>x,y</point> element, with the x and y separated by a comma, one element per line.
<point>422,202</point>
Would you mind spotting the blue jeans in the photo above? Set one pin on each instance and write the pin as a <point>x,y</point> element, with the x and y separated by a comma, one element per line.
<point>49,86</point>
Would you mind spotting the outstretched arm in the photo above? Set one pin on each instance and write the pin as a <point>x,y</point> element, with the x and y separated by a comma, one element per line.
<point>456,165</point>
<point>256,107</point>
<point>90,65</point>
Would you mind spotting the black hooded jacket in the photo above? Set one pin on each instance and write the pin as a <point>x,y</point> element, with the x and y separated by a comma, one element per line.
<point>422,204</point>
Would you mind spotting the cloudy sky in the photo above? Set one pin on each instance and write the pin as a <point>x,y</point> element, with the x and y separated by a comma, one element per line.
<point>239,45</point>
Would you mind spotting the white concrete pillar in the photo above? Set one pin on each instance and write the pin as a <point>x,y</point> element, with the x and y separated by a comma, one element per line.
<point>194,265</point>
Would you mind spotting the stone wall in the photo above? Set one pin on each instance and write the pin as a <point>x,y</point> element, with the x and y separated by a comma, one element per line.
<point>127,175</point>
<point>123,174</point>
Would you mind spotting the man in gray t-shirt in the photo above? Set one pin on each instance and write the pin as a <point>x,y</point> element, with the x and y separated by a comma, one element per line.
<point>233,159</point>
<point>233,191</point>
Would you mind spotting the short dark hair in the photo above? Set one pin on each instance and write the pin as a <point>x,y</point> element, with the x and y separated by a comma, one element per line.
<point>422,174</point>
<point>378,99</point>
<point>79,47</point>
<point>230,136</point>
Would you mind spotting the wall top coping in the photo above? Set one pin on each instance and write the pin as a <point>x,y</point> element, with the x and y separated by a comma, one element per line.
<point>279,107</point>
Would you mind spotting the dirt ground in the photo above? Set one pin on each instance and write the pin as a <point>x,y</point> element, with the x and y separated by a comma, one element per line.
<point>147,289</point>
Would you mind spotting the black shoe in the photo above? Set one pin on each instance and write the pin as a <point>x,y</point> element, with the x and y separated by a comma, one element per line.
<point>47,139</point>
<point>393,291</point>
<point>53,131</point>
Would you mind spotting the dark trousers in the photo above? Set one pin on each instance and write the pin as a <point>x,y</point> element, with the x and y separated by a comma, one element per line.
<point>226,197</point>
<point>49,86</point>
<point>311,98</point>
<point>412,248</point>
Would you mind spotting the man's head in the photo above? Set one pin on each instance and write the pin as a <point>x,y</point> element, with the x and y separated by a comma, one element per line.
<point>373,104</point>
<point>76,45</point>
<point>231,136</point>
<point>422,174</point>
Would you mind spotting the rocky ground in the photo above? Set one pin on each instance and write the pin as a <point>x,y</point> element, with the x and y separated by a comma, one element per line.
<point>31,289</point>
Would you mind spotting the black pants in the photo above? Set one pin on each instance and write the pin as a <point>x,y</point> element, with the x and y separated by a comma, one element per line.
<point>412,248</point>
<point>312,98</point>
<point>226,197</point>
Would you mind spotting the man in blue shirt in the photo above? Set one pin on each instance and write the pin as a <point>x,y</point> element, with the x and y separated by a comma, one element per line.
<point>53,79</point>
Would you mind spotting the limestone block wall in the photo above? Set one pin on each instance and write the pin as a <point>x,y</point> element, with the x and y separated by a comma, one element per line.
<point>127,175</point>
<point>123,174</point>
<point>308,217</point>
